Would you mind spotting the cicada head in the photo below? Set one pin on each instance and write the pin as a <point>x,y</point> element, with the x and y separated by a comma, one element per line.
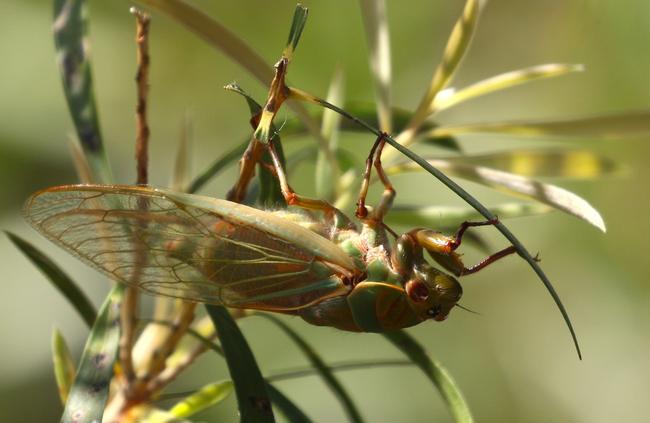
<point>433,293</point>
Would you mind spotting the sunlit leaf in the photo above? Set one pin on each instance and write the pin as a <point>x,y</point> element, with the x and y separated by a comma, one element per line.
<point>72,45</point>
<point>446,99</point>
<point>377,37</point>
<point>204,398</point>
<point>601,126</point>
<point>147,414</point>
<point>323,370</point>
<point>455,49</point>
<point>449,216</point>
<point>552,195</point>
<point>64,368</point>
<point>58,277</point>
<point>435,372</point>
<point>89,392</point>
<point>250,387</point>
<point>575,164</point>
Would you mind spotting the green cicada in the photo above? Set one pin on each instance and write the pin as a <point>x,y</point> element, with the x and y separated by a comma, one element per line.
<point>309,260</point>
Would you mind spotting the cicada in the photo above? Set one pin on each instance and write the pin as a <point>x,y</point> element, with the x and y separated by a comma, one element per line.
<point>308,260</point>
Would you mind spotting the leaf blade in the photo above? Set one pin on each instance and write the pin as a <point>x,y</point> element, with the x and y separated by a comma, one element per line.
<point>503,81</point>
<point>378,39</point>
<point>250,386</point>
<point>64,369</point>
<point>58,278</point>
<point>89,391</point>
<point>435,372</point>
<point>208,396</point>
<point>323,370</point>
<point>71,41</point>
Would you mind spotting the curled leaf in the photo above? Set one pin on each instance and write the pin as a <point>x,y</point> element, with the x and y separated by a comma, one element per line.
<point>552,195</point>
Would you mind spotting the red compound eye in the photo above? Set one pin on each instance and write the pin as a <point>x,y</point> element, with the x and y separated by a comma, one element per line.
<point>417,290</point>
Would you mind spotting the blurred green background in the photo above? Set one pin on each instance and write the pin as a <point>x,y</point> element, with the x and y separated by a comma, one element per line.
<point>515,361</point>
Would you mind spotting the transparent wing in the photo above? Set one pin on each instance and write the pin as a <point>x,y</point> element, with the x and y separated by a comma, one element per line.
<point>140,236</point>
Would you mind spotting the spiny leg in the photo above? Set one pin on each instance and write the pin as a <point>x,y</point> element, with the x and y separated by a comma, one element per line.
<point>489,260</point>
<point>457,239</point>
<point>332,214</point>
<point>251,157</point>
<point>388,195</point>
<point>389,192</point>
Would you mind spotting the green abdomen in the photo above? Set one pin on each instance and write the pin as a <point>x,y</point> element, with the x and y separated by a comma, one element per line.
<point>370,307</point>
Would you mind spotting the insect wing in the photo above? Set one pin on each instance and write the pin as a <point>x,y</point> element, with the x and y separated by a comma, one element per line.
<point>143,237</point>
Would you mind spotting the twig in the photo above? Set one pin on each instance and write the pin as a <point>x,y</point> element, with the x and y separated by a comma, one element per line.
<point>130,303</point>
<point>142,79</point>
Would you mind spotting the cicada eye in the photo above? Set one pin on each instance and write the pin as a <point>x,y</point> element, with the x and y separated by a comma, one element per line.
<point>417,290</point>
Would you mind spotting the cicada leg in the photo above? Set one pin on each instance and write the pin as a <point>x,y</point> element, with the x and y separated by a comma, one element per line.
<point>389,192</point>
<point>333,215</point>
<point>442,248</point>
<point>250,158</point>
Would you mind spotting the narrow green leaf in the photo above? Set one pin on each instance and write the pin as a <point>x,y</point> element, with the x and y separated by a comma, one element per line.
<point>477,205</point>
<point>181,172</point>
<point>215,34</point>
<point>72,46</point>
<point>319,364</point>
<point>377,37</point>
<point>204,398</point>
<point>89,392</point>
<point>217,166</point>
<point>297,25</point>
<point>552,195</point>
<point>330,131</point>
<point>446,99</point>
<point>64,368</point>
<point>250,387</point>
<point>575,164</point>
<point>146,414</point>
<point>602,126</point>
<point>286,406</point>
<point>455,49</point>
<point>435,372</point>
<point>449,217</point>
<point>58,277</point>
